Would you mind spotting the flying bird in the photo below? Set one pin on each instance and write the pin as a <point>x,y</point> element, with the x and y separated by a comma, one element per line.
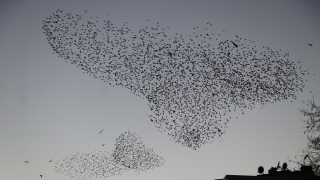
<point>310,44</point>
<point>234,44</point>
<point>50,160</point>
<point>26,162</point>
<point>101,131</point>
<point>41,176</point>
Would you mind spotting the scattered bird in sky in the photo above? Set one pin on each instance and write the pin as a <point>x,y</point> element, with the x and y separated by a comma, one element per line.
<point>103,144</point>
<point>101,131</point>
<point>50,160</point>
<point>191,87</point>
<point>26,162</point>
<point>310,44</point>
<point>41,176</point>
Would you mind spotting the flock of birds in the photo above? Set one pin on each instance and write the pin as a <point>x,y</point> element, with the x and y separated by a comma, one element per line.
<point>130,153</point>
<point>191,83</point>
<point>191,86</point>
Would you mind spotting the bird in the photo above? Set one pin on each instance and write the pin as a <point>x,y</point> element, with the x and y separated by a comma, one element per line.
<point>234,44</point>
<point>101,131</point>
<point>50,160</point>
<point>26,162</point>
<point>41,176</point>
<point>310,44</point>
<point>103,144</point>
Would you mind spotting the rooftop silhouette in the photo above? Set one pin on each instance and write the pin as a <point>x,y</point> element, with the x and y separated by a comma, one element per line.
<point>305,173</point>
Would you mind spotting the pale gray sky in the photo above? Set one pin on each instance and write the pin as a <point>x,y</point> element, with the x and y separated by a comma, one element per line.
<point>49,108</point>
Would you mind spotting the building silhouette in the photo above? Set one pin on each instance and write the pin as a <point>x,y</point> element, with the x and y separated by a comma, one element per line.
<point>305,173</point>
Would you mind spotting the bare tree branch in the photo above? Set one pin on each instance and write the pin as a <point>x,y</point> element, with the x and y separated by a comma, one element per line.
<point>311,154</point>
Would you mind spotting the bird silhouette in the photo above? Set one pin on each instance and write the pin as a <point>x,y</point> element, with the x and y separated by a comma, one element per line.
<point>310,44</point>
<point>41,176</point>
<point>100,131</point>
<point>234,44</point>
<point>50,160</point>
<point>26,162</point>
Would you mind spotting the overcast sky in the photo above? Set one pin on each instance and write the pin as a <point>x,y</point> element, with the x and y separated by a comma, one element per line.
<point>49,108</point>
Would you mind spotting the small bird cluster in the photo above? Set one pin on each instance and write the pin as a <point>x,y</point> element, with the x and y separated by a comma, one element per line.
<point>190,86</point>
<point>130,154</point>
